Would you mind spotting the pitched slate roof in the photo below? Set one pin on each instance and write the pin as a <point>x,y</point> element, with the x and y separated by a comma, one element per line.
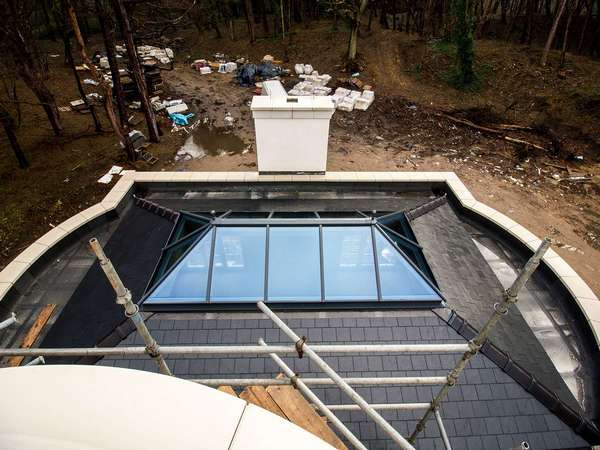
<point>486,410</point>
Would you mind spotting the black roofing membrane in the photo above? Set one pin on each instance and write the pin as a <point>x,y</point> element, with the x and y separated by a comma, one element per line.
<point>92,313</point>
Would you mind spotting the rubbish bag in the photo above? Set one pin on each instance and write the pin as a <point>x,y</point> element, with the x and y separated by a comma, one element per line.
<point>268,70</point>
<point>246,75</point>
<point>181,119</point>
<point>248,72</point>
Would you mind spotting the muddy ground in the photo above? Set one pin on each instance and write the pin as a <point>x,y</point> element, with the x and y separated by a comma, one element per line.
<point>404,129</point>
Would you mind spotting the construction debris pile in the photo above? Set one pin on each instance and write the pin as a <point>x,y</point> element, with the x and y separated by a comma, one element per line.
<point>344,99</point>
<point>347,100</point>
<point>205,67</point>
<point>312,83</point>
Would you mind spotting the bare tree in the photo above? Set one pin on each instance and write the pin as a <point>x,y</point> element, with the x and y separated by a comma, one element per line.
<point>353,11</point>
<point>18,42</point>
<point>9,127</point>
<point>107,25</point>
<point>136,69</point>
<point>552,34</point>
<point>250,20</point>
<point>103,84</point>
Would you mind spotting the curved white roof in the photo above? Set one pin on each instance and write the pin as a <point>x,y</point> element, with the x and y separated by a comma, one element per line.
<point>92,407</point>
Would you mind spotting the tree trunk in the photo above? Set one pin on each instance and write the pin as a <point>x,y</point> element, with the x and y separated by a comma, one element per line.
<point>250,20</point>
<point>107,27</point>
<point>561,10</point>
<point>9,127</point>
<point>565,39</point>
<point>88,104</point>
<point>49,27</point>
<point>264,18</point>
<point>589,6</point>
<point>282,19</point>
<point>30,66</point>
<point>48,102</point>
<point>484,19</point>
<point>138,76</point>
<point>229,16</point>
<point>108,101</point>
<point>352,42</point>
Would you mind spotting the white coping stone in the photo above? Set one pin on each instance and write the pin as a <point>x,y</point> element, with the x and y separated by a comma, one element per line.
<point>578,287</point>
<point>281,433</point>
<point>93,211</point>
<point>181,176</point>
<point>4,287</point>
<point>11,273</point>
<point>560,267</point>
<point>235,176</point>
<point>52,237</point>
<point>31,253</point>
<point>523,234</point>
<point>112,199</point>
<point>73,222</point>
<point>592,307</point>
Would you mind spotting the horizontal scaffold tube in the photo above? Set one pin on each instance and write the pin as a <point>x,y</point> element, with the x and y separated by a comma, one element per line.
<point>236,349</point>
<point>321,381</point>
<point>381,406</point>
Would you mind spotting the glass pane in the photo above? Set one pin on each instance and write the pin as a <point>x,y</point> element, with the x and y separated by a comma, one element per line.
<point>399,280</point>
<point>188,280</point>
<point>349,264</point>
<point>294,264</point>
<point>239,265</point>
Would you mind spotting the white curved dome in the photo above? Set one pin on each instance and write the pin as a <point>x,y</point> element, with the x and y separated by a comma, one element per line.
<point>92,407</point>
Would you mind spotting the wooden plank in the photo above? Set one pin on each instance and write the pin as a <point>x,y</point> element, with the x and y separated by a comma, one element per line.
<point>259,396</point>
<point>33,333</point>
<point>298,411</point>
<point>227,389</point>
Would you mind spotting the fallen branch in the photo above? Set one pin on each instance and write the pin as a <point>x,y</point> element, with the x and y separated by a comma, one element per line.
<point>513,127</point>
<point>525,143</point>
<point>493,131</point>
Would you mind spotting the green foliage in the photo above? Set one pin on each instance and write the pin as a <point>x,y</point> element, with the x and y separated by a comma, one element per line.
<point>443,47</point>
<point>464,75</point>
<point>416,70</point>
<point>454,78</point>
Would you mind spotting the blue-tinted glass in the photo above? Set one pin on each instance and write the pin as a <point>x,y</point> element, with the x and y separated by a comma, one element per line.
<point>294,264</point>
<point>239,265</point>
<point>349,270</point>
<point>399,280</point>
<point>188,280</point>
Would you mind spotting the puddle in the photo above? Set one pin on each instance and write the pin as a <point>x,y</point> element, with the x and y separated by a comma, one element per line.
<point>206,139</point>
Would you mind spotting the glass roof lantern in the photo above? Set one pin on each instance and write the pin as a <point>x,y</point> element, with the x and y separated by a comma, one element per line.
<point>299,261</point>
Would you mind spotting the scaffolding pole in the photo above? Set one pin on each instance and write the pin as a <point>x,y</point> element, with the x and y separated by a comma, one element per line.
<point>500,310</point>
<point>178,350</point>
<point>8,322</point>
<point>131,309</point>
<point>384,381</point>
<point>381,406</point>
<point>299,384</point>
<point>303,348</point>
<point>438,419</point>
